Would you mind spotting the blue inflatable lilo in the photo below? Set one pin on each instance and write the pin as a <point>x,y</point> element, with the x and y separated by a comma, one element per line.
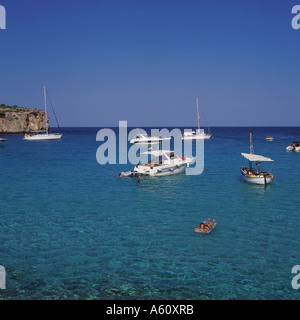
<point>205,227</point>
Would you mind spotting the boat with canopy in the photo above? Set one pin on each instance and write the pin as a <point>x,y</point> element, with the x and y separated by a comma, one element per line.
<point>256,175</point>
<point>162,163</point>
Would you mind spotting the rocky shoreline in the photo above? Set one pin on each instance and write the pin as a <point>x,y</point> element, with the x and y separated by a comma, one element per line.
<point>14,119</point>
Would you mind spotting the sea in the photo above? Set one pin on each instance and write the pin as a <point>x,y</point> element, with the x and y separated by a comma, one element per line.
<point>71,228</point>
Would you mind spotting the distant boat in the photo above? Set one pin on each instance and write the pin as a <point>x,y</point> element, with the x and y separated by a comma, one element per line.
<point>295,146</point>
<point>2,140</point>
<point>43,135</point>
<point>145,139</point>
<point>269,138</point>
<point>255,175</point>
<point>198,134</point>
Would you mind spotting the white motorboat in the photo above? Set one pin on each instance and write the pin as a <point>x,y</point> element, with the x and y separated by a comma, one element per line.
<point>255,175</point>
<point>40,135</point>
<point>2,140</point>
<point>145,139</point>
<point>295,146</point>
<point>43,135</point>
<point>162,163</point>
<point>269,138</point>
<point>198,134</point>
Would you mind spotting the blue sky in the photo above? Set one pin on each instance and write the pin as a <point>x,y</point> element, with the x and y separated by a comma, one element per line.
<point>146,61</point>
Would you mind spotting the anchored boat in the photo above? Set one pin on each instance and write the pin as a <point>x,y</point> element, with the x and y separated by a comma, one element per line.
<point>269,138</point>
<point>255,175</point>
<point>43,135</point>
<point>162,163</point>
<point>198,134</point>
<point>295,146</point>
<point>145,139</point>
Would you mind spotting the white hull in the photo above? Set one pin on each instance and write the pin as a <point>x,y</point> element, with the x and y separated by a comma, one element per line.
<point>197,137</point>
<point>269,139</point>
<point>257,180</point>
<point>148,140</point>
<point>294,149</point>
<point>39,137</point>
<point>163,170</point>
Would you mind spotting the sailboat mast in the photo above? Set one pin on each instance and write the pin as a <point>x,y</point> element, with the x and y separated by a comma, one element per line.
<point>198,114</point>
<point>45,98</point>
<point>251,147</point>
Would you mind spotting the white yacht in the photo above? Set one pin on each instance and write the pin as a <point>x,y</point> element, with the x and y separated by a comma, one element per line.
<point>198,134</point>
<point>43,135</point>
<point>295,146</point>
<point>145,139</point>
<point>255,175</point>
<point>162,163</point>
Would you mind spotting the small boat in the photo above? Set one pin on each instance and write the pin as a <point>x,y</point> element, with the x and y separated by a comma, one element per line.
<point>2,140</point>
<point>295,146</point>
<point>269,138</point>
<point>198,134</point>
<point>145,139</point>
<point>162,163</point>
<point>128,174</point>
<point>43,135</point>
<point>255,175</point>
<point>198,230</point>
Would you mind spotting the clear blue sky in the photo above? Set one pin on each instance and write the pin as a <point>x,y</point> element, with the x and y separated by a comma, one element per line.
<point>145,61</point>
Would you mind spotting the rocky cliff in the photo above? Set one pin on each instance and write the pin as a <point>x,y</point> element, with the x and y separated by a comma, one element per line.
<point>21,120</point>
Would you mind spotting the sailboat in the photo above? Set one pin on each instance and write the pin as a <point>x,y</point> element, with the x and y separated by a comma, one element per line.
<point>198,134</point>
<point>43,135</point>
<point>255,175</point>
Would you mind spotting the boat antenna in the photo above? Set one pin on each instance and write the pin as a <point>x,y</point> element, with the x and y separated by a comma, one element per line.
<point>251,145</point>
<point>203,114</point>
<point>198,114</point>
<point>46,120</point>
<point>52,109</point>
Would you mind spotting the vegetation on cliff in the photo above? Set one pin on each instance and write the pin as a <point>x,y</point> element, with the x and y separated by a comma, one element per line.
<point>15,119</point>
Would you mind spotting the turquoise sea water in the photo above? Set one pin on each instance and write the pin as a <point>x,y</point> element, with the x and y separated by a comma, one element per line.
<point>72,229</point>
